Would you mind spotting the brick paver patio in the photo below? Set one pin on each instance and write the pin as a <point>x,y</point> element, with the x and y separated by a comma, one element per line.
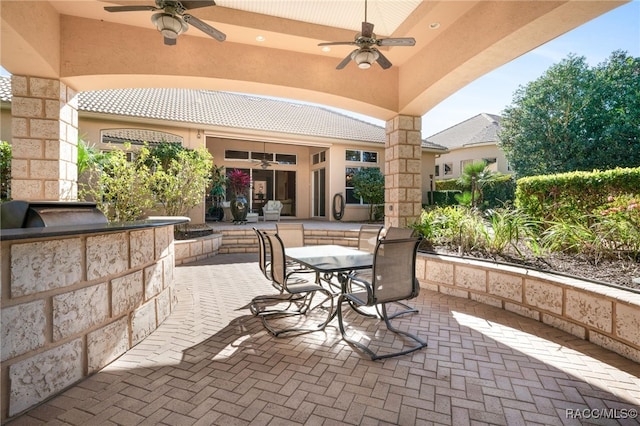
<point>212,363</point>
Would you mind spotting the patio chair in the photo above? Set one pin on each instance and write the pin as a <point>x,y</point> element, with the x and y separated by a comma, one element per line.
<point>264,258</point>
<point>393,233</point>
<point>297,299</point>
<point>393,279</point>
<point>291,234</point>
<point>368,237</point>
<point>271,210</point>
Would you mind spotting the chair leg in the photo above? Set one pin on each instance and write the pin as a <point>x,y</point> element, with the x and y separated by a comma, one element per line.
<point>374,356</point>
<point>305,308</point>
<point>407,310</point>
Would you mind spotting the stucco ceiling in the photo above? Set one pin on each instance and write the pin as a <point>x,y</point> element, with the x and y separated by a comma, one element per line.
<point>88,48</point>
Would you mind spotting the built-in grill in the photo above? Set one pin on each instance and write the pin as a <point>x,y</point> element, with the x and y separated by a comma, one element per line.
<point>42,214</point>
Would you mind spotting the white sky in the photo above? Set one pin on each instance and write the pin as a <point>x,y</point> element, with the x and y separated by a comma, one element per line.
<point>595,40</point>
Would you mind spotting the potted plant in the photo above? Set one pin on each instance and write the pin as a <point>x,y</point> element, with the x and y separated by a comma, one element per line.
<point>239,183</point>
<point>217,192</point>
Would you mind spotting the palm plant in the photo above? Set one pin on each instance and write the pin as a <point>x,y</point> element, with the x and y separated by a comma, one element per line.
<point>476,176</point>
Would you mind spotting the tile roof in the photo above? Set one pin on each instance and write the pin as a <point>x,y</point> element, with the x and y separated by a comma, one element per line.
<point>482,128</point>
<point>226,109</point>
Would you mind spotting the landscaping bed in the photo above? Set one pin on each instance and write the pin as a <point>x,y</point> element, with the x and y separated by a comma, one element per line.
<point>619,272</point>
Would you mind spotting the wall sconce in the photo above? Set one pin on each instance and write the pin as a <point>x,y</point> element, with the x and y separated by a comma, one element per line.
<point>198,135</point>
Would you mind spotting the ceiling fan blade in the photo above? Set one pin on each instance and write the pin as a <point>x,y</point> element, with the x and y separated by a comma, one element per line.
<point>129,8</point>
<point>194,4</point>
<point>336,43</point>
<point>204,27</point>
<point>367,29</point>
<point>400,41</point>
<point>170,41</point>
<point>346,60</point>
<point>382,60</point>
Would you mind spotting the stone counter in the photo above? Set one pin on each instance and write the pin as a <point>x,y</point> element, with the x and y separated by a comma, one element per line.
<point>72,302</point>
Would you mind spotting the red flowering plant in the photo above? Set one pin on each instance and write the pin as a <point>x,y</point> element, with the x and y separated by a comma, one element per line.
<point>239,182</point>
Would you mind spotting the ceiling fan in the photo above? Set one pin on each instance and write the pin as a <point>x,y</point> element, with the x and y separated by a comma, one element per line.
<point>366,40</point>
<point>265,163</point>
<point>173,20</point>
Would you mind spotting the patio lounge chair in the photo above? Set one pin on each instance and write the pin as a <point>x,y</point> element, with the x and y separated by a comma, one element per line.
<point>271,210</point>
<point>392,279</point>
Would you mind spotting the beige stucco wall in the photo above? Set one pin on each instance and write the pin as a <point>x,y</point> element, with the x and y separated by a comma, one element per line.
<point>457,155</point>
<point>90,127</point>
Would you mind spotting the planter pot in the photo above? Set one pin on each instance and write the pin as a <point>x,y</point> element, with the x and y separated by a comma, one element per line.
<point>239,208</point>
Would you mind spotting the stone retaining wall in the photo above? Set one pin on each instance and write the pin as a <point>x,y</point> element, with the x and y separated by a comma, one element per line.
<point>606,316</point>
<point>73,304</point>
<point>187,251</point>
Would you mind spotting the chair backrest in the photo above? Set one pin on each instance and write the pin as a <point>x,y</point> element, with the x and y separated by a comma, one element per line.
<point>368,237</point>
<point>394,270</point>
<point>278,260</point>
<point>395,233</point>
<point>291,234</point>
<point>273,205</point>
<point>263,253</point>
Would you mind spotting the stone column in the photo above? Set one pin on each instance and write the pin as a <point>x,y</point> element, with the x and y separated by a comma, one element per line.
<point>403,183</point>
<point>44,128</point>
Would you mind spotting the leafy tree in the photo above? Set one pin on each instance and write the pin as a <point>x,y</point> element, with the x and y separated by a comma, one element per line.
<point>5,171</point>
<point>575,118</point>
<point>121,188</point>
<point>180,182</point>
<point>368,183</point>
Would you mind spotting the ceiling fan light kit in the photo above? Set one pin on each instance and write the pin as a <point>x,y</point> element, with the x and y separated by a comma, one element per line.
<point>366,53</point>
<point>169,25</point>
<point>365,57</point>
<point>172,20</point>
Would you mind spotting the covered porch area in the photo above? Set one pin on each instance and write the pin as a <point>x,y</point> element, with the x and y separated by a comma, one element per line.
<point>212,362</point>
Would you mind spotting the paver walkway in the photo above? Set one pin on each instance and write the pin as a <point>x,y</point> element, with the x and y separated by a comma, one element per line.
<point>212,363</point>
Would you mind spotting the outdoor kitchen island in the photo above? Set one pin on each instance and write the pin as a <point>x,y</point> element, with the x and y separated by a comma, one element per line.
<point>76,297</point>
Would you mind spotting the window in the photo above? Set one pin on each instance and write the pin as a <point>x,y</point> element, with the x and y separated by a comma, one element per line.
<point>361,156</point>
<point>348,186</point>
<point>369,156</point>
<point>262,156</point>
<point>437,169</point>
<point>286,159</point>
<point>319,157</point>
<point>138,137</point>
<point>448,168</point>
<point>230,154</point>
<point>352,155</point>
<point>350,197</point>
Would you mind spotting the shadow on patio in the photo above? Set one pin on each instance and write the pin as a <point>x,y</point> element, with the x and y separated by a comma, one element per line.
<point>211,362</point>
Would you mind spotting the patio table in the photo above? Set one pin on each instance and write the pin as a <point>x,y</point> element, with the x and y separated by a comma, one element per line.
<point>328,260</point>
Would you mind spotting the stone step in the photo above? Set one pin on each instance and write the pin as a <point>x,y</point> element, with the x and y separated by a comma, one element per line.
<point>244,240</point>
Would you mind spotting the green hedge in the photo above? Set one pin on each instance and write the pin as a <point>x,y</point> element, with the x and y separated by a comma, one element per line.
<point>443,198</point>
<point>566,195</point>
<point>447,185</point>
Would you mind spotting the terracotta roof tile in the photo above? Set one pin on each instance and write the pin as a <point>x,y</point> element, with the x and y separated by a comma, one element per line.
<point>226,109</point>
<point>482,128</point>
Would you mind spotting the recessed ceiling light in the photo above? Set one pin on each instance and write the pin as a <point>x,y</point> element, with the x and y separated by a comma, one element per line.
<point>434,25</point>
<point>326,49</point>
<point>260,38</point>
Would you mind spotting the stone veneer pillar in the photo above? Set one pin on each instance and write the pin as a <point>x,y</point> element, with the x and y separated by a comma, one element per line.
<point>403,183</point>
<point>44,127</point>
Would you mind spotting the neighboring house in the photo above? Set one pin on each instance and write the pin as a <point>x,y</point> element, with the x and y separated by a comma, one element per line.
<point>312,150</point>
<point>475,139</point>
